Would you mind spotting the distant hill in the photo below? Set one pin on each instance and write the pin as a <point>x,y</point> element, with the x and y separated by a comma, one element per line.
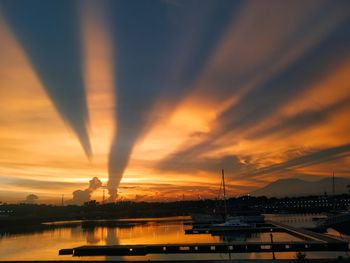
<point>298,187</point>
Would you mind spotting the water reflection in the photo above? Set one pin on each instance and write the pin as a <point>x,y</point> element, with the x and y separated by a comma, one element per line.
<point>235,237</point>
<point>257,237</point>
<point>92,237</point>
<point>44,243</point>
<point>112,239</point>
<point>296,220</point>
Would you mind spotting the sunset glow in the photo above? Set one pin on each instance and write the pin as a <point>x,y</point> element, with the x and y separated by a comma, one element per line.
<point>263,104</point>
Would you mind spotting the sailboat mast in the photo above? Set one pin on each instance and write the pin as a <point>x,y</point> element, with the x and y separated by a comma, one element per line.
<point>223,186</point>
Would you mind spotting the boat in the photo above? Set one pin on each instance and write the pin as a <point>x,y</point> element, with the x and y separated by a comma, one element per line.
<point>225,221</point>
<point>205,218</point>
<point>234,222</point>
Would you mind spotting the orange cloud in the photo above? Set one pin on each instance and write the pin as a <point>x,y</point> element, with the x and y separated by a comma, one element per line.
<point>36,143</point>
<point>37,146</point>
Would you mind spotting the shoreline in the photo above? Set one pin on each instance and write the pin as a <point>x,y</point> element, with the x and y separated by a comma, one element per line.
<point>326,260</point>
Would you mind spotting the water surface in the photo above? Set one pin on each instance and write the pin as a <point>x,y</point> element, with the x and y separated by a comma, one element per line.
<point>44,244</point>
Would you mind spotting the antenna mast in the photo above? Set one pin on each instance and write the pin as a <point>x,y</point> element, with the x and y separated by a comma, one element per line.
<point>223,186</point>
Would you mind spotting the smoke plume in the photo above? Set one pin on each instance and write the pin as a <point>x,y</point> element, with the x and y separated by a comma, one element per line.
<point>82,196</point>
<point>31,199</point>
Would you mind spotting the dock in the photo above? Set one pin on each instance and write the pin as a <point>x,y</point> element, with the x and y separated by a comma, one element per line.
<point>307,234</point>
<point>311,241</point>
<point>214,230</point>
<point>232,247</point>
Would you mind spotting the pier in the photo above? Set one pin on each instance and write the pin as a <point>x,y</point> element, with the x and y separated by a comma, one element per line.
<point>213,230</point>
<point>307,234</point>
<point>232,247</point>
<point>311,241</point>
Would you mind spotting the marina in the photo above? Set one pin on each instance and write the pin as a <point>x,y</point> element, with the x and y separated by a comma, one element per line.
<point>167,239</point>
<point>312,242</point>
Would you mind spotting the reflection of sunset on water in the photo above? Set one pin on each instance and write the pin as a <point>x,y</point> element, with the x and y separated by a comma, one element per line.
<point>46,244</point>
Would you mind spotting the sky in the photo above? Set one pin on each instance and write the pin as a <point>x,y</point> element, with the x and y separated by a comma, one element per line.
<point>154,98</point>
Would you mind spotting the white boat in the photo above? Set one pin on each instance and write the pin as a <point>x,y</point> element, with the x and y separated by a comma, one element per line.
<point>224,220</point>
<point>233,222</point>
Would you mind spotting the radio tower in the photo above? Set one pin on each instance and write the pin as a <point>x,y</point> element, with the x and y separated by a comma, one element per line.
<point>103,187</point>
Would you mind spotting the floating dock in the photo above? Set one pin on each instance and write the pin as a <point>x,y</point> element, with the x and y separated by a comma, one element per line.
<point>233,247</point>
<point>311,241</point>
<point>306,234</point>
<point>212,230</point>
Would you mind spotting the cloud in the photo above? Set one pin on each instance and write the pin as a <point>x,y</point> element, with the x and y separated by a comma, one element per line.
<point>270,96</point>
<point>31,199</point>
<point>237,74</point>
<point>315,157</point>
<point>267,95</point>
<point>50,35</point>
<point>262,40</point>
<point>207,164</point>
<point>157,58</point>
<point>39,184</point>
<point>301,121</point>
<point>82,196</point>
<point>163,191</point>
<point>94,184</point>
